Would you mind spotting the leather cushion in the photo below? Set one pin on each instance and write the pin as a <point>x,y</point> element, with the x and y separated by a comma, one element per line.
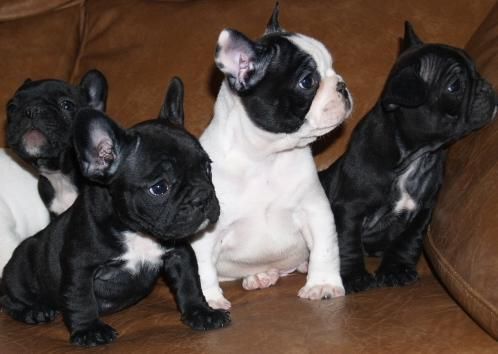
<point>463,240</point>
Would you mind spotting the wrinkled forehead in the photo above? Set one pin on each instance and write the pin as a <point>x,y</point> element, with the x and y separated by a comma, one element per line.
<point>316,50</point>
<point>158,138</point>
<point>433,59</point>
<point>46,88</point>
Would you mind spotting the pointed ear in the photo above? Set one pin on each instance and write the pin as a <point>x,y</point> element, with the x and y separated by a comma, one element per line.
<point>410,39</point>
<point>99,144</point>
<point>94,84</point>
<point>273,25</point>
<point>238,58</point>
<point>172,109</point>
<point>404,89</point>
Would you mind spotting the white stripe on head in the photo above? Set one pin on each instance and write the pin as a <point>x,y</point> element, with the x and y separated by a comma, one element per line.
<point>316,50</point>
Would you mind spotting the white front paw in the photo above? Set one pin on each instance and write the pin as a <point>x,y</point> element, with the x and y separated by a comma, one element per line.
<point>321,291</point>
<point>216,300</point>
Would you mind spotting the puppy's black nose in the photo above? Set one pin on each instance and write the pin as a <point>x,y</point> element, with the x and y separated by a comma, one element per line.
<point>341,88</point>
<point>32,111</point>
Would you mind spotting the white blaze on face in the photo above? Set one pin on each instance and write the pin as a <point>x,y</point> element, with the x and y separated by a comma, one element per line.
<point>329,107</point>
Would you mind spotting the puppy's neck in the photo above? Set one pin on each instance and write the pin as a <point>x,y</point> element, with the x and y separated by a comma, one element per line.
<point>231,129</point>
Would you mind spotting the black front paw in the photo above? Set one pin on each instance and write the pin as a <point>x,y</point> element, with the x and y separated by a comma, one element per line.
<point>96,334</point>
<point>396,277</point>
<point>355,283</point>
<point>205,318</point>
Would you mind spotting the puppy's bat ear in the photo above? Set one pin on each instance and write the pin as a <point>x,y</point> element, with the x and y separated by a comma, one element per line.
<point>242,61</point>
<point>404,89</point>
<point>172,109</point>
<point>99,144</point>
<point>94,84</point>
<point>273,25</point>
<point>410,39</point>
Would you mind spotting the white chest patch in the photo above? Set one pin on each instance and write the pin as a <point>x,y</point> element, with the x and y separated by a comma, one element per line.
<point>141,251</point>
<point>405,202</point>
<point>65,191</point>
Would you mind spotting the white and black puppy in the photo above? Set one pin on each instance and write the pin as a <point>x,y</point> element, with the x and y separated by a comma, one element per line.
<point>279,95</point>
<point>384,188</point>
<point>40,119</point>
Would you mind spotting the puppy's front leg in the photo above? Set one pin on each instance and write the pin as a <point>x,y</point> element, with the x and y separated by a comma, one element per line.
<point>353,271</point>
<point>399,262</point>
<point>181,273</point>
<point>318,227</point>
<point>80,309</point>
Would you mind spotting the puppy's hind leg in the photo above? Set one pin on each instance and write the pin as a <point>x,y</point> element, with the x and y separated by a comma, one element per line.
<point>18,300</point>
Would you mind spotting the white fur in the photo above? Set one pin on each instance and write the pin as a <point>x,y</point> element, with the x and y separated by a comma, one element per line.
<point>405,202</point>
<point>22,212</point>
<point>141,251</point>
<point>65,191</point>
<point>274,213</point>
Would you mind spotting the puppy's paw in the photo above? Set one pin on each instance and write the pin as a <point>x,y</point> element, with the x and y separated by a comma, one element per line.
<point>397,277</point>
<point>261,280</point>
<point>204,318</point>
<point>97,334</point>
<point>41,316</point>
<point>32,316</point>
<point>356,283</point>
<point>216,300</point>
<point>320,292</point>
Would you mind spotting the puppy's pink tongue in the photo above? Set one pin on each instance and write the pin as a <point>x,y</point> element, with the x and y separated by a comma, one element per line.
<point>34,139</point>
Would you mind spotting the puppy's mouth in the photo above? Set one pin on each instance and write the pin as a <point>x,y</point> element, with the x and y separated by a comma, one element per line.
<point>33,141</point>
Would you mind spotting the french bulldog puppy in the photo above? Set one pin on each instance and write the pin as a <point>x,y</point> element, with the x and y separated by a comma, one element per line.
<point>40,117</point>
<point>279,95</point>
<point>152,189</point>
<point>384,188</point>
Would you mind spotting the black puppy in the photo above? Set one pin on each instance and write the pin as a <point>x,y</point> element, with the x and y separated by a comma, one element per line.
<point>40,119</point>
<point>383,189</point>
<point>153,189</point>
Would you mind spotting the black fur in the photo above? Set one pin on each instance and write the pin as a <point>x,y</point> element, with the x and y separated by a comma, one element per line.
<point>40,119</point>
<point>433,96</point>
<point>152,181</point>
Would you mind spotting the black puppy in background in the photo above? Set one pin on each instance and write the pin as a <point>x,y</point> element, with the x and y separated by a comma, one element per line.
<point>152,190</point>
<point>384,188</point>
<point>40,119</point>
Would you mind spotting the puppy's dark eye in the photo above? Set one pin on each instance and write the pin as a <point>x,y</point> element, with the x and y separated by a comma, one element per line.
<point>159,188</point>
<point>68,105</point>
<point>11,108</point>
<point>307,82</point>
<point>454,86</point>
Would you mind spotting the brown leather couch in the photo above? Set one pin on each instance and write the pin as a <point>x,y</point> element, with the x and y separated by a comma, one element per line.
<point>140,45</point>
